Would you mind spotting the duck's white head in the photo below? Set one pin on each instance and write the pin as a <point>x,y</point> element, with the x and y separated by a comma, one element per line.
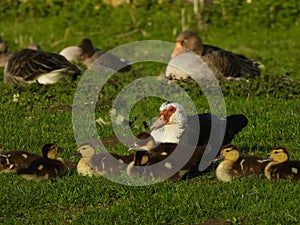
<point>170,113</point>
<point>170,124</point>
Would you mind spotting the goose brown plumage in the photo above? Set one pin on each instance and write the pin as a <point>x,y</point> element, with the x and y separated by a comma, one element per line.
<point>235,165</point>
<point>30,65</point>
<point>280,166</point>
<point>87,54</point>
<point>223,63</point>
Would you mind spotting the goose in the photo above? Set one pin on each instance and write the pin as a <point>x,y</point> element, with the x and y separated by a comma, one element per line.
<point>173,125</point>
<point>223,64</point>
<point>4,54</point>
<point>44,168</point>
<point>86,54</point>
<point>149,153</point>
<point>235,165</point>
<point>32,65</point>
<point>99,164</point>
<point>280,166</point>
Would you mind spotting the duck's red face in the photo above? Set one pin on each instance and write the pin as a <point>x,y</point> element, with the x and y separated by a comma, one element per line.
<point>178,49</point>
<point>164,117</point>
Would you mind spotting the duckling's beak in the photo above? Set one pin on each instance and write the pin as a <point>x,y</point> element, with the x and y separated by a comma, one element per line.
<point>76,154</point>
<point>2,154</point>
<point>269,159</point>
<point>218,157</point>
<point>132,147</point>
<point>158,123</point>
<point>60,149</point>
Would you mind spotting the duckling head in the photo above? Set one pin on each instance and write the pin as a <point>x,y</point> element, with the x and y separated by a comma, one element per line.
<point>86,150</point>
<point>50,151</point>
<point>143,141</point>
<point>230,152</point>
<point>278,154</point>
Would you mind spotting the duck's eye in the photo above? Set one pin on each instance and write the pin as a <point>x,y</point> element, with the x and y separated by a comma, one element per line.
<point>276,152</point>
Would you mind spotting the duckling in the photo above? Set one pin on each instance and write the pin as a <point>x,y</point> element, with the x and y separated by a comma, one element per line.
<point>87,54</point>
<point>32,65</point>
<point>11,161</point>
<point>280,167</point>
<point>235,166</point>
<point>46,167</point>
<point>149,154</point>
<point>99,164</point>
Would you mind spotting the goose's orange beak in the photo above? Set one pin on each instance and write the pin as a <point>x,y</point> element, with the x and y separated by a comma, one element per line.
<point>177,50</point>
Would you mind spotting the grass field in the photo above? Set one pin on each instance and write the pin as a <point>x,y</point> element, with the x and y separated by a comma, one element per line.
<point>44,114</point>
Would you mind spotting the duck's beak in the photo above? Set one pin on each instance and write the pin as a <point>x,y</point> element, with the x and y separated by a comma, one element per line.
<point>177,50</point>
<point>76,154</point>
<point>158,123</point>
<point>218,157</point>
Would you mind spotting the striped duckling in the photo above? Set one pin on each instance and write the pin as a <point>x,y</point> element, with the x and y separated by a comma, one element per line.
<point>234,165</point>
<point>280,166</point>
<point>99,164</point>
<point>47,167</point>
<point>87,54</point>
<point>11,161</point>
<point>150,154</point>
<point>32,65</point>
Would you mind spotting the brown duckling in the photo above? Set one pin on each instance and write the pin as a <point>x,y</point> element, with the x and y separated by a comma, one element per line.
<point>150,154</point>
<point>234,165</point>
<point>280,167</point>
<point>47,167</point>
<point>11,161</point>
<point>223,63</point>
<point>102,163</point>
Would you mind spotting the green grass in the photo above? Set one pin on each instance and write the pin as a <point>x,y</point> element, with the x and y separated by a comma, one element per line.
<point>43,114</point>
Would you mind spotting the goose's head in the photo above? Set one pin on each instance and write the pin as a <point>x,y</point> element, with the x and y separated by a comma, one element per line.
<point>187,41</point>
<point>170,113</point>
<point>3,47</point>
<point>50,151</point>
<point>86,150</point>
<point>278,154</point>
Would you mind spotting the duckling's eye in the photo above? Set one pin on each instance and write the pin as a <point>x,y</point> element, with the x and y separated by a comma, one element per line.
<point>276,152</point>
<point>227,150</point>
